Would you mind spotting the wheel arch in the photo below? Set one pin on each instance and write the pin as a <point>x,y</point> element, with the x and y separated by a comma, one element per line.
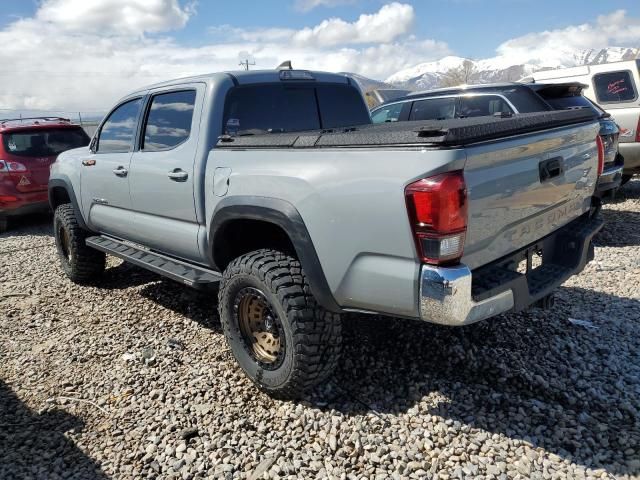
<point>284,223</point>
<point>60,192</point>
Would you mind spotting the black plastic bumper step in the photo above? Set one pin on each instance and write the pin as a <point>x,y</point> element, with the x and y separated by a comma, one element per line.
<point>192,275</point>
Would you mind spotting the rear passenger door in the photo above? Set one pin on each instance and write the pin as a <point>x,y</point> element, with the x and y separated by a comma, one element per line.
<point>161,178</point>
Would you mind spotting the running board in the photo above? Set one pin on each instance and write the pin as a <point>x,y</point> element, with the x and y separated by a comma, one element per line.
<point>192,275</point>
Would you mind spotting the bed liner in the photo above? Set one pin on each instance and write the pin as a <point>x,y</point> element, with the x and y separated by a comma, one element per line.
<point>446,133</point>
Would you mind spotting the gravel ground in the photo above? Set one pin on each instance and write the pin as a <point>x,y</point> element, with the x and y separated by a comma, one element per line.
<point>133,380</point>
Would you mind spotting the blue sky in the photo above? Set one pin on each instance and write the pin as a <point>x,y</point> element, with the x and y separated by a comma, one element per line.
<point>84,54</point>
<point>472,28</point>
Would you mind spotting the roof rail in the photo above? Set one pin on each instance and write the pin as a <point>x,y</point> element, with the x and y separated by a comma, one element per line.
<point>46,119</point>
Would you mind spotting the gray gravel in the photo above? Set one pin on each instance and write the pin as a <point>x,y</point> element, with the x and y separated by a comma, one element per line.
<point>133,380</point>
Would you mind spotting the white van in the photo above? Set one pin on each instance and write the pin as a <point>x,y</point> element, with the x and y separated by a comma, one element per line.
<point>616,88</point>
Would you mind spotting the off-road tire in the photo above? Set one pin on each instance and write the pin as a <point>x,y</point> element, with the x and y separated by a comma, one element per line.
<point>80,263</point>
<point>312,335</point>
<point>625,179</point>
<point>4,224</point>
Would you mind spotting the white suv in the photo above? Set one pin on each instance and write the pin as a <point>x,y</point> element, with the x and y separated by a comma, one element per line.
<point>616,88</point>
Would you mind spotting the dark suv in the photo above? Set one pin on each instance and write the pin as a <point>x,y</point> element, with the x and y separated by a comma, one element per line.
<point>507,99</point>
<point>28,147</point>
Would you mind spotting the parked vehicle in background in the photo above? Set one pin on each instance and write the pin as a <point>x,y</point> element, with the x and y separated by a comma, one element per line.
<point>28,147</point>
<point>504,99</point>
<point>378,96</point>
<point>274,185</point>
<point>616,88</point>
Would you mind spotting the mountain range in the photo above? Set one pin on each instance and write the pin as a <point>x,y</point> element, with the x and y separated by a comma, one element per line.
<point>496,69</point>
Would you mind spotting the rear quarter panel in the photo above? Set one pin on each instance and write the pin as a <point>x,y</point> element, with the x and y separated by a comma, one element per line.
<point>352,202</point>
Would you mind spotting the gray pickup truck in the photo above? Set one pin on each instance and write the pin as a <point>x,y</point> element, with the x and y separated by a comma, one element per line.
<point>274,187</point>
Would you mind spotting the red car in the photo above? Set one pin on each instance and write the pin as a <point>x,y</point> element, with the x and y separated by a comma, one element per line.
<point>28,147</point>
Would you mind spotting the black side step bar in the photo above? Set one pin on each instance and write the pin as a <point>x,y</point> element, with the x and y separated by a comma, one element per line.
<point>192,275</point>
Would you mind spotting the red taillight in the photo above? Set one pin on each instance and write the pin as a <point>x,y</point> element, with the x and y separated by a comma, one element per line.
<point>638,131</point>
<point>600,144</point>
<point>8,199</point>
<point>437,209</point>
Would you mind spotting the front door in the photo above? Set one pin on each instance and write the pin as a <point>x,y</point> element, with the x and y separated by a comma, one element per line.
<point>161,176</point>
<point>106,201</point>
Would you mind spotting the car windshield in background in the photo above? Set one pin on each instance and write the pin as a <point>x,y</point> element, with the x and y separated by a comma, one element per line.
<point>291,108</point>
<point>44,143</point>
<point>614,87</point>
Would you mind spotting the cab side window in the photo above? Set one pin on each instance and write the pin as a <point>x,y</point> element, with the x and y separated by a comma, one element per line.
<point>117,133</point>
<point>390,113</point>
<point>614,87</point>
<point>169,120</point>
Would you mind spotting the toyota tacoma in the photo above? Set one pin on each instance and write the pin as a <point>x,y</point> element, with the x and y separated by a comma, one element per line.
<point>275,188</point>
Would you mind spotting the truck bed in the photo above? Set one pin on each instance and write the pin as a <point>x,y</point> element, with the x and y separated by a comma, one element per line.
<point>457,132</point>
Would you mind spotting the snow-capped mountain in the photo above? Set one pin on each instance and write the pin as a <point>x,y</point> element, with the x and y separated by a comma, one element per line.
<point>502,68</point>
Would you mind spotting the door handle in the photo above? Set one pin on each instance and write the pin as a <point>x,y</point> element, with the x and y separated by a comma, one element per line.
<point>551,168</point>
<point>121,171</point>
<point>178,175</point>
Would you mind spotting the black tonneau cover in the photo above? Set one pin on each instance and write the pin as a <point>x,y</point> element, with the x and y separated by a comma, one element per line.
<point>450,133</point>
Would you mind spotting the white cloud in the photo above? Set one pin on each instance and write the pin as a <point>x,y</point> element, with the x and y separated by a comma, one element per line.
<point>306,5</point>
<point>390,22</point>
<point>115,16</point>
<point>387,24</point>
<point>546,47</point>
<point>51,61</point>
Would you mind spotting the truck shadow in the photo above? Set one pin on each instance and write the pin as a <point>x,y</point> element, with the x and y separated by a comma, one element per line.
<point>621,229</point>
<point>125,275</point>
<point>201,306</point>
<point>568,389</point>
<point>35,225</point>
<point>35,446</point>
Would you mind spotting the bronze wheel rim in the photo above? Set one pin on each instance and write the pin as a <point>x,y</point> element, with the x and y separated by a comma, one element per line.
<point>260,327</point>
<point>65,242</point>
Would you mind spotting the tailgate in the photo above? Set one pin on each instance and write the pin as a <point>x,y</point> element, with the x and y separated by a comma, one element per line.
<point>524,188</point>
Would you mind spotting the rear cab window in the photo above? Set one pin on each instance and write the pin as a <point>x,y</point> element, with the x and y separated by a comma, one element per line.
<point>43,142</point>
<point>615,87</point>
<point>276,108</point>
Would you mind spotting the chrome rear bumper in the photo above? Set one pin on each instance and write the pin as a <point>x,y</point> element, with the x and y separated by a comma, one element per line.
<point>445,297</point>
<point>456,296</point>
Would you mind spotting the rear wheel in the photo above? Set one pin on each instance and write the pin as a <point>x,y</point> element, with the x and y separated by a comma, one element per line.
<point>284,341</point>
<point>82,264</point>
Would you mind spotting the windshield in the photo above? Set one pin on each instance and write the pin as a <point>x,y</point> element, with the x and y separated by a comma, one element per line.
<point>44,143</point>
<point>289,108</point>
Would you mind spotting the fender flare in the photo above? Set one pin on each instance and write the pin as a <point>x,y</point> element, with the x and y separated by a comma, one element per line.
<point>64,182</point>
<point>286,216</point>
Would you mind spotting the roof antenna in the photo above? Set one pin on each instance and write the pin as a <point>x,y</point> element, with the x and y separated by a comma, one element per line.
<point>286,65</point>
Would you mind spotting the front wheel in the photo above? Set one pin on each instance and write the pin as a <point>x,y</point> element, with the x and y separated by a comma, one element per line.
<point>82,264</point>
<point>284,341</point>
